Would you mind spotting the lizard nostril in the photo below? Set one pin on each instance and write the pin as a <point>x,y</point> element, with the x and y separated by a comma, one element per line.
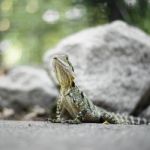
<point>55,58</point>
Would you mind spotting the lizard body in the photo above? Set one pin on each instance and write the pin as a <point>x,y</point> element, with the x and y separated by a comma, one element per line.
<point>74,101</point>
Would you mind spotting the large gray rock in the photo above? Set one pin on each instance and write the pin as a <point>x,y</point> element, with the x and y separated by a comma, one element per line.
<point>112,63</point>
<point>26,86</point>
<point>48,136</point>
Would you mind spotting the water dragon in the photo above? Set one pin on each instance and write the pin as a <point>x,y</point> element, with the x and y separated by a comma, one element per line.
<point>76,103</point>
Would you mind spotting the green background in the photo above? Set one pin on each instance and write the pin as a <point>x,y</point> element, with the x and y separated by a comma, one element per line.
<point>25,34</point>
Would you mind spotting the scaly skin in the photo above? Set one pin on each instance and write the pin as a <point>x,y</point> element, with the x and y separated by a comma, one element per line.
<point>74,101</point>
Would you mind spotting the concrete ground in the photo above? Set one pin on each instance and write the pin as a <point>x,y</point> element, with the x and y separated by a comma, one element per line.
<point>17,135</point>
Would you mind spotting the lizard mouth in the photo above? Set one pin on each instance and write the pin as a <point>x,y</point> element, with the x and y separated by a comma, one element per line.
<point>59,64</point>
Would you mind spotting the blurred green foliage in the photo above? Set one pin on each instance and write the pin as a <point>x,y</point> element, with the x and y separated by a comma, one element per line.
<point>33,26</point>
<point>134,12</point>
<point>30,27</point>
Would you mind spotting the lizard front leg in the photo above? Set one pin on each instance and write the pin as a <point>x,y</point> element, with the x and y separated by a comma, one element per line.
<point>59,111</point>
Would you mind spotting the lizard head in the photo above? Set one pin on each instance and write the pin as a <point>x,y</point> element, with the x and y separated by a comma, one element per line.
<point>63,70</point>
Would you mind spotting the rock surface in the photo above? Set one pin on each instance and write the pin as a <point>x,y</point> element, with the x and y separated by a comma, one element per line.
<point>47,136</point>
<point>112,64</point>
<point>26,86</point>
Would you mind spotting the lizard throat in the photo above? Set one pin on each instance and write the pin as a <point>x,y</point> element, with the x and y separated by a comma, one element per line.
<point>63,75</point>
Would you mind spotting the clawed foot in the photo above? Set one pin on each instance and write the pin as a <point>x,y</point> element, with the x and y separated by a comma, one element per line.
<point>106,122</point>
<point>75,121</point>
<point>71,121</point>
<point>54,120</point>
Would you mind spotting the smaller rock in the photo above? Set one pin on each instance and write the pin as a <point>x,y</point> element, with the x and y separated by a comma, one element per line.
<point>26,86</point>
<point>35,112</point>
